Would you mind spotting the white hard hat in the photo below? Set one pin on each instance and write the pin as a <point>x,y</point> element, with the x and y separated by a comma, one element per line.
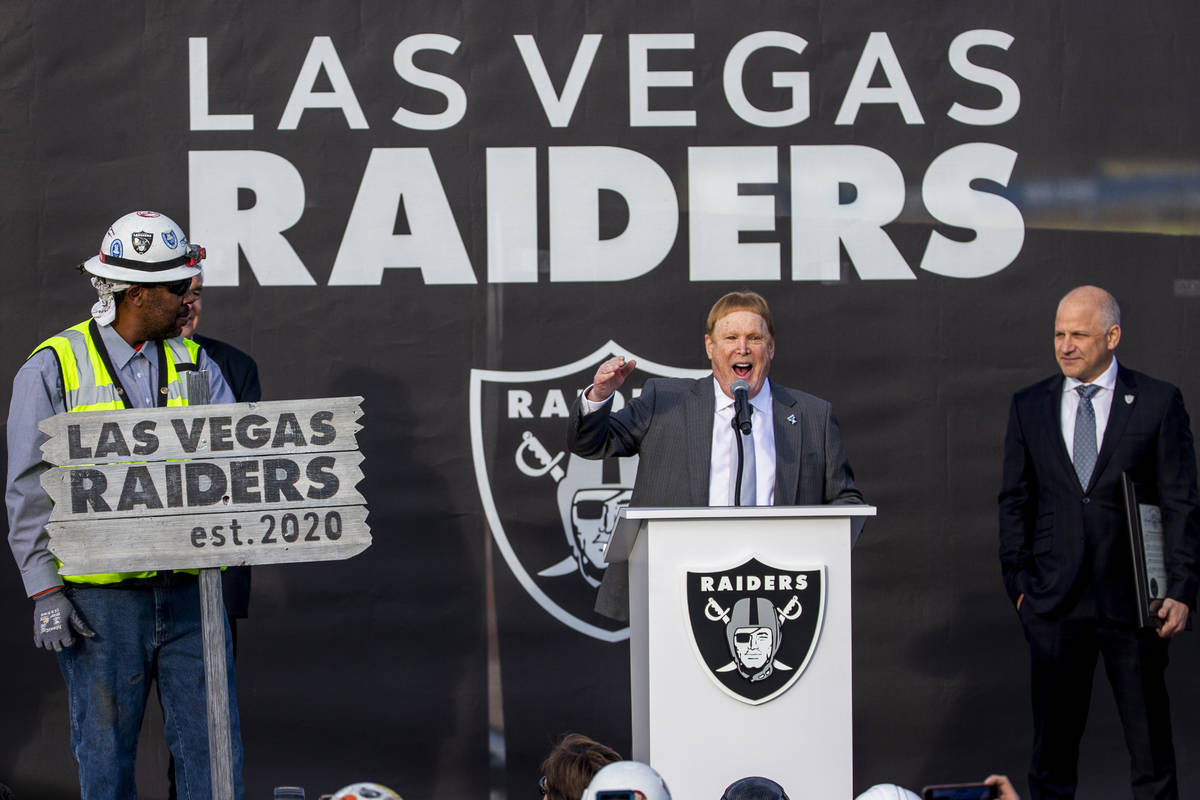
<point>888,791</point>
<point>145,247</point>
<point>626,780</point>
<point>365,791</point>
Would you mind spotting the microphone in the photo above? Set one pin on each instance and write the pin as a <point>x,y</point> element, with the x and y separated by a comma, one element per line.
<point>741,406</point>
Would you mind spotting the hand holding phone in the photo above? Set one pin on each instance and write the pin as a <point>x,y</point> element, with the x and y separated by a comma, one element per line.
<point>959,791</point>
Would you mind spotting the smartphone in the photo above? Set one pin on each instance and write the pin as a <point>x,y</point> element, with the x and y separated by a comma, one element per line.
<point>959,791</point>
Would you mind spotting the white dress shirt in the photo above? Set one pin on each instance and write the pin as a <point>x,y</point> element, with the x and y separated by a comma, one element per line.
<point>724,448</point>
<point>1101,401</point>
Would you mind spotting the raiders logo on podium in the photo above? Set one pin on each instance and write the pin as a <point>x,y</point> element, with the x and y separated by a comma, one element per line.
<point>552,513</point>
<point>755,627</point>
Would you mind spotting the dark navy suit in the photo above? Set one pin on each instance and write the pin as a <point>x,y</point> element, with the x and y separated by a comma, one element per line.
<point>1065,548</point>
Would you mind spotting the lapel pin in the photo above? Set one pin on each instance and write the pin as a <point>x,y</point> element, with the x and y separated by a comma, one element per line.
<point>792,418</point>
<point>1128,399</point>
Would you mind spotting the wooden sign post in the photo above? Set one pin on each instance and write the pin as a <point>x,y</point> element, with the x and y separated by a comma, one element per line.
<point>204,487</point>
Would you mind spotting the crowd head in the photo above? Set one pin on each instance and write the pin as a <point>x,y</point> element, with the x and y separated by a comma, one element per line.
<point>754,788</point>
<point>627,780</point>
<point>570,766</point>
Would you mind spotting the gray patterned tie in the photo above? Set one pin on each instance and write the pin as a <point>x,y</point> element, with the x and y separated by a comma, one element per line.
<point>749,481</point>
<point>1084,452</point>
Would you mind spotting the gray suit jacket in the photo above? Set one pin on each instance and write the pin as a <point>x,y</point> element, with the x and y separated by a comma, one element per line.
<point>670,428</point>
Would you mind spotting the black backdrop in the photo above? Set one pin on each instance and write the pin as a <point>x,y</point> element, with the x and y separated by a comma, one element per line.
<point>378,667</point>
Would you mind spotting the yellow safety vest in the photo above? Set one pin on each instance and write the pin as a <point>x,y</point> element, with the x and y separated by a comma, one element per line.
<point>89,386</point>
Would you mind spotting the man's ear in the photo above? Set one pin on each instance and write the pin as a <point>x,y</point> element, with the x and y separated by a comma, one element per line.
<point>132,296</point>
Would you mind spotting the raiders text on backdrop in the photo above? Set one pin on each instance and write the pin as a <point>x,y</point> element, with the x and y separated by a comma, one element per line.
<point>822,218</point>
<point>521,403</point>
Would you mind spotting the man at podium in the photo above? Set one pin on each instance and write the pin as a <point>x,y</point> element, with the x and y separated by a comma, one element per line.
<point>684,432</point>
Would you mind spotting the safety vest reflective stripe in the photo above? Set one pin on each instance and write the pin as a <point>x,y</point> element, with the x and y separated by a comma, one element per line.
<point>88,387</point>
<point>182,351</point>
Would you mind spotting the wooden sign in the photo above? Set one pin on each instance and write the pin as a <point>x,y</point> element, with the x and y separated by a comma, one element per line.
<point>192,541</point>
<point>243,429</point>
<point>175,487</point>
<point>205,486</point>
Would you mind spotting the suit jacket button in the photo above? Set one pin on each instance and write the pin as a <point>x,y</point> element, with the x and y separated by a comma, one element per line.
<point>1087,500</point>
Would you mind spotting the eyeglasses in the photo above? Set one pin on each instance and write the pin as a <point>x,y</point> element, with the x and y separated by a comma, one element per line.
<point>542,786</point>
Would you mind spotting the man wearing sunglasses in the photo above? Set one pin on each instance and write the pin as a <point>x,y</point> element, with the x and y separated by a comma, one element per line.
<point>133,628</point>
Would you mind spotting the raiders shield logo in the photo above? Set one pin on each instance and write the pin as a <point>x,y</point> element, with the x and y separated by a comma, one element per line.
<point>552,513</point>
<point>141,241</point>
<point>756,626</point>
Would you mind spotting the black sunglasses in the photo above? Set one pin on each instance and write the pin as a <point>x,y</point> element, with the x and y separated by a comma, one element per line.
<point>178,288</point>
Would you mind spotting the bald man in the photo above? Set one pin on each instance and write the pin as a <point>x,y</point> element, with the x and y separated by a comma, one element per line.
<point>1064,549</point>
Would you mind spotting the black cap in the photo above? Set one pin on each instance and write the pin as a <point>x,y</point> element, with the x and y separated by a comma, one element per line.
<point>754,788</point>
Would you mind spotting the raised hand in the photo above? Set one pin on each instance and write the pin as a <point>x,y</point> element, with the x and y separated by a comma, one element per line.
<point>609,377</point>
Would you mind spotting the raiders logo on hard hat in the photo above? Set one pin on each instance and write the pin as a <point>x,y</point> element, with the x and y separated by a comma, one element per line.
<point>755,627</point>
<point>552,513</point>
<point>141,240</point>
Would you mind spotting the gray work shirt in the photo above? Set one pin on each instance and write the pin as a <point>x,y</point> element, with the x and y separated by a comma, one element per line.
<point>38,395</point>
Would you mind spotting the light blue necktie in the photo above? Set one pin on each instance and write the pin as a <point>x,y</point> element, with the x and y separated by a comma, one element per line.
<point>749,480</point>
<point>1084,452</point>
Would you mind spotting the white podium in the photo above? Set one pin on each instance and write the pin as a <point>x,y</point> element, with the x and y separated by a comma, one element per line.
<point>740,645</point>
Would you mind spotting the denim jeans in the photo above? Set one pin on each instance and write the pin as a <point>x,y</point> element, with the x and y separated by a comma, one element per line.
<point>141,634</point>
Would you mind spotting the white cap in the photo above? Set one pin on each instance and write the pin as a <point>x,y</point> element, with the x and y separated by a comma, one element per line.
<point>888,791</point>
<point>365,791</point>
<point>627,776</point>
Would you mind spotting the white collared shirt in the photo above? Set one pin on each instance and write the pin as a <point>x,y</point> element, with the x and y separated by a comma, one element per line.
<point>724,448</point>
<point>1101,401</point>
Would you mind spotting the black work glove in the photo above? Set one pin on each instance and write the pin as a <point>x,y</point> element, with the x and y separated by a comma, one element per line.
<point>53,618</point>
